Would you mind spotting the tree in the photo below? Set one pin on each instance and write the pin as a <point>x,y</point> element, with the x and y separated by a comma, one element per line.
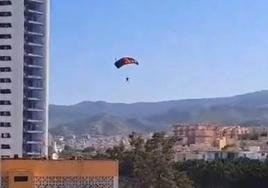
<point>88,149</point>
<point>235,173</point>
<point>154,164</point>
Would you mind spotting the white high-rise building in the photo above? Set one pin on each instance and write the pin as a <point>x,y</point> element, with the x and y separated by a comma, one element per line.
<point>24,60</point>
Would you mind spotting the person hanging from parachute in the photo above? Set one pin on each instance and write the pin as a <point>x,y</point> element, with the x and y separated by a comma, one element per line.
<point>125,61</point>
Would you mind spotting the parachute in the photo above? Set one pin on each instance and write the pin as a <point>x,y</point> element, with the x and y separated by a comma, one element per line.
<point>125,61</point>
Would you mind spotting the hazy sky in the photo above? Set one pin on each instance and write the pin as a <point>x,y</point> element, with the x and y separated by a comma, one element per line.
<point>186,49</point>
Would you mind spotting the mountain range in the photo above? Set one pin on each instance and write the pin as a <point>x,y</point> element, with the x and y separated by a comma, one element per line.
<point>103,118</point>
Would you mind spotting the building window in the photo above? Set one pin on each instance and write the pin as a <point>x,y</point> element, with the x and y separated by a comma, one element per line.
<point>5,146</point>
<point>5,156</point>
<point>5,36</point>
<point>5,91</point>
<point>5,69</point>
<point>5,25</point>
<point>20,178</point>
<point>5,47</point>
<point>5,14</point>
<point>5,80</point>
<point>5,124</point>
<point>5,113</point>
<point>5,103</point>
<point>5,3</point>
<point>5,135</point>
<point>5,58</point>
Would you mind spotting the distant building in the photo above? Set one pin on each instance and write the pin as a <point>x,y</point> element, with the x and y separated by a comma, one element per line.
<point>60,174</point>
<point>221,142</point>
<point>214,155</point>
<point>208,141</point>
<point>252,155</point>
<point>233,133</point>
<point>209,134</point>
<point>196,133</point>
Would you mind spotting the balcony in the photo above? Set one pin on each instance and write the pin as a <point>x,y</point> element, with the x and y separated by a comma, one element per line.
<point>33,66</point>
<point>36,1</point>
<point>35,22</point>
<point>34,110</point>
<point>34,44</point>
<point>34,87</point>
<point>34,33</point>
<point>33,55</point>
<point>34,132</point>
<point>33,120</point>
<point>33,29</point>
<point>32,99</point>
<point>34,153</point>
<point>34,142</point>
<point>34,12</point>
<point>34,77</point>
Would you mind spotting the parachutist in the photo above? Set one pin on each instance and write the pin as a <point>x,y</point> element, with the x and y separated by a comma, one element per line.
<point>125,61</point>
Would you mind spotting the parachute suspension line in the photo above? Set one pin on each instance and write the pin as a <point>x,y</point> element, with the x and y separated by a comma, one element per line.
<point>123,62</point>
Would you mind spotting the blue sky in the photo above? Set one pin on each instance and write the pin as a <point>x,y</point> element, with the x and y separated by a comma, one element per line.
<point>186,49</point>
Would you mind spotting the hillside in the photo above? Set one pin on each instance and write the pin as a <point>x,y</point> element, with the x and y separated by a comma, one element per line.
<point>115,118</point>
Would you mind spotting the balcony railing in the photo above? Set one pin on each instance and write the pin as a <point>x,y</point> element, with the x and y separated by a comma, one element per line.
<point>34,142</point>
<point>33,66</point>
<point>33,87</point>
<point>34,110</point>
<point>34,33</point>
<point>36,1</point>
<point>34,132</point>
<point>33,120</point>
<point>33,55</point>
<point>34,153</point>
<point>34,11</point>
<point>34,77</point>
<point>34,44</point>
<point>34,22</point>
<point>33,98</point>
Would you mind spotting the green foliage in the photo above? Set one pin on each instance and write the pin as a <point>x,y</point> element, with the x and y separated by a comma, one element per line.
<point>72,153</point>
<point>68,148</point>
<point>244,173</point>
<point>88,150</point>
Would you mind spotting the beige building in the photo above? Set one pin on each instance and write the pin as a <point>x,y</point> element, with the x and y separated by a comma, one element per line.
<point>233,132</point>
<point>196,133</point>
<point>208,134</point>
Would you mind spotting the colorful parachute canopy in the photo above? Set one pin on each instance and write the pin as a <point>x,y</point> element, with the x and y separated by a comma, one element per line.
<point>125,61</point>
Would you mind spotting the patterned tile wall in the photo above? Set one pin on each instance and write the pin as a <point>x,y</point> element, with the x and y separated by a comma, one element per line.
<point>4,182</point>
<point>73,182</point>
<point>68,182</point>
